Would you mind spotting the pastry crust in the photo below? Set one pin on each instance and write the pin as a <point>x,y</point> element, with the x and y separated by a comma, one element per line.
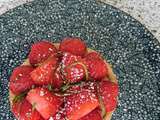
<point>111,75</point>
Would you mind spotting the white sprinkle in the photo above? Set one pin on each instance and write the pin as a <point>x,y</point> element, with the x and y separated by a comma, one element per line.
<point>41,93</point>
<point>51,118</point>
<point>50,49</point>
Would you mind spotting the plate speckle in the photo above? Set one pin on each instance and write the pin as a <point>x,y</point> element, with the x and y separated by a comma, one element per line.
<point>124,42</point>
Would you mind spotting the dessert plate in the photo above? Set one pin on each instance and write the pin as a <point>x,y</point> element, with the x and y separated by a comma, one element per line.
<point>131,49</point>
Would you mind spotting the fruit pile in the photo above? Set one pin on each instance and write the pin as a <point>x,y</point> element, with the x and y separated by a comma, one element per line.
<point>62,81</point>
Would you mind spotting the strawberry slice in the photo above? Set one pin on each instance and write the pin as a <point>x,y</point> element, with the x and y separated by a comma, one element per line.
<point>94,115</point>
<point>73,45</point>
<point>97,68</point>
<point>46,103</point>
<point>109,92</point>
<point>23,110</point>
<point>43,74</point>
<point>21,80</point>
<point>41,51</point>
<point>80,104</point>
<point>20,71</point>
<point>69,58</point>
<point>75,72</point>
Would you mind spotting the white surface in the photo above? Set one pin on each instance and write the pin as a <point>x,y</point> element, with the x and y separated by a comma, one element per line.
<point>146,11</point>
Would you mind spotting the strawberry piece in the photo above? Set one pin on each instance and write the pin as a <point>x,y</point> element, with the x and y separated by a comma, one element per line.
<point>21,85</point>
<point>94,115</point>
<point>41,51</point>
<point>92,55</point>
<point>46,103</point>
<point>23,111</point>
<point>69,58</point>
<point>109,92</point>
<point>20,71</point>
<point>73,45</point>
<point>75,72</point>
<point>21,80</point>
<point>80,104</point>
<point>97,68</point>
<point>43,74</point>
<point>57,79</point>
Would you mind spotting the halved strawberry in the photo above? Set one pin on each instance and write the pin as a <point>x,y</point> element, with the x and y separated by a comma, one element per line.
<point>69,58</point>
<point>20,71</point>
<point>20,79</point>
<point>94,115</point>
<point>75,72</point>
<point>97,68</point>
<point>80,104</point>
<point>46,103</point>
<point>73,45</point>
<point>109,92</point>
<point>23,110</point>
<point>41,51</point>
<point>43,74</point>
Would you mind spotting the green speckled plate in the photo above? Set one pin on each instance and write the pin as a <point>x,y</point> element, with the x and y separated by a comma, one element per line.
<point>126,44</point>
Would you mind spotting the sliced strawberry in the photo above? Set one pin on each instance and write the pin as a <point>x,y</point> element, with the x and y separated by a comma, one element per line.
<point>23,110</point>
<point>69,58</point>
<point>21,85</point>
<point>43,74</point>
<point>75,72</point>
<point>92,55</point>
<point>46,103</point>
<point>94,115</point>
<point>41,51</point>
<point>21,80</point>
<point>97,68</point>
<point>80,104</point>
<point>109,92</point>
<point>57,79</point>
<point>20,71</point>
<point>73,45</point>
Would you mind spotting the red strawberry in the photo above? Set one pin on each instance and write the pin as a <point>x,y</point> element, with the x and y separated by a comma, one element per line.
<point>94,115</point>
<point>92,55</point>
<point>23,110</point>
<point>43,74</point>
<point>109,92</point>
<point>46,103</point>
<point>20,71</point>
<point>80,104</point>
<point>73,45</point>
<point>97,68</point>
<point>75,72</point>
<point>41,51</point>
<point>69,58</point>
<point>21,80</point>
<point>57,79</point>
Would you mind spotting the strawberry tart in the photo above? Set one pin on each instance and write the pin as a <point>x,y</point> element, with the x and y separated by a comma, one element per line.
<point>63,81</point>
